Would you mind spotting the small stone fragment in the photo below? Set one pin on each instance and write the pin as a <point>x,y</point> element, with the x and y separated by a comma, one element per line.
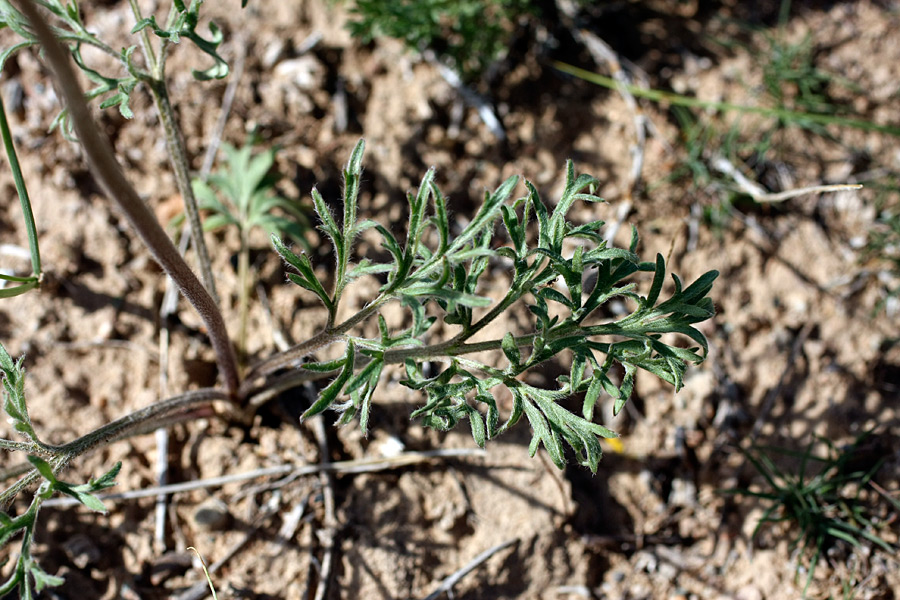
<point>212,515</point>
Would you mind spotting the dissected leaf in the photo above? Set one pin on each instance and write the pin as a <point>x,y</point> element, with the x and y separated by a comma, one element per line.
<point>437,276</point>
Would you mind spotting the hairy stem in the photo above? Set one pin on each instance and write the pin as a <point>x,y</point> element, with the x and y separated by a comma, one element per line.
<point>259,386</point>
<point>178,160</point>
<point>106,169</point>
<point>175,150</point>
<point>243,295</point>
<point>139,422</point>
<point>284,359</point>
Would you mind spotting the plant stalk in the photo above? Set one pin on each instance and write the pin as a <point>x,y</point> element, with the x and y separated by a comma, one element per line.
<point>178,160</point>
<point>139,422</point>
<point>106,169</point>
<point>16,169</point>
<point>243,295</point>
<point>175,149</point>
<point>679,100</point>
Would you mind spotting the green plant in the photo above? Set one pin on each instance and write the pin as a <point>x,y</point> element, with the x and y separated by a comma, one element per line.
<point>32,281</point>
<point>117,89</point>
<point>446,275</point>
<point>246,182</point>
<point>823,500</point>
<point>469,34</point>
<point>27,575</point>
<point>438,277</point>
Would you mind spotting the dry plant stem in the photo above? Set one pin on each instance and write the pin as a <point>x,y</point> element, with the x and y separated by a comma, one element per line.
<point>168,306</point>
<point>447,585</point>
<point>602,52</point>
<point>756,191</point>
<point>364,465</point>
<point>279,339</point>
<point>106,169</point>
<point>329,525</point>
<point>469,96</point>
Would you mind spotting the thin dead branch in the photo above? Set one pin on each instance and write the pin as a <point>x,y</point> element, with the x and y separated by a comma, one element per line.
<point>759,194</point>
<point>345,467</point>
<point>448,583</point>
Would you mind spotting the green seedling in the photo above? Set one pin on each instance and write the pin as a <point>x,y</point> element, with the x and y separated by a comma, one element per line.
<point>823,500</point>
<point>241,194</point>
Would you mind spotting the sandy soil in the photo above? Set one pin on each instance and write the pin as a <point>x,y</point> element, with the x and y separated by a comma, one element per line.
<point>802,344</point>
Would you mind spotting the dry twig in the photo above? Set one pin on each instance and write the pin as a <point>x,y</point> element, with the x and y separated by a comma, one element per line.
<point>364,465</point>
<point>329,526</point>
<point>448,583</point>
<point>759,194</point>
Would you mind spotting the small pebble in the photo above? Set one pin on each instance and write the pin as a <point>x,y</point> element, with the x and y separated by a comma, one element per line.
<point>212,515</point>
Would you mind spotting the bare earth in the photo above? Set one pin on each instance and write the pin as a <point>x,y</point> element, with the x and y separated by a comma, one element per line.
<point>802,344</point>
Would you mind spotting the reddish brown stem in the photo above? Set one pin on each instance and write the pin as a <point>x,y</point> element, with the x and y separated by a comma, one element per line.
<point>109,175</point>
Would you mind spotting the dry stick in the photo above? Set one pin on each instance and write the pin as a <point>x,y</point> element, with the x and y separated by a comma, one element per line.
<point>329,526</point>
<point>447,585</point>
<point>759,194</point>
<point>162,478</point>
<point>601,52</point>
<point>469,96</point>
<point>279,338</point>
<point>107,171</point>
<point>167,308</point>
<point>365,465</point>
